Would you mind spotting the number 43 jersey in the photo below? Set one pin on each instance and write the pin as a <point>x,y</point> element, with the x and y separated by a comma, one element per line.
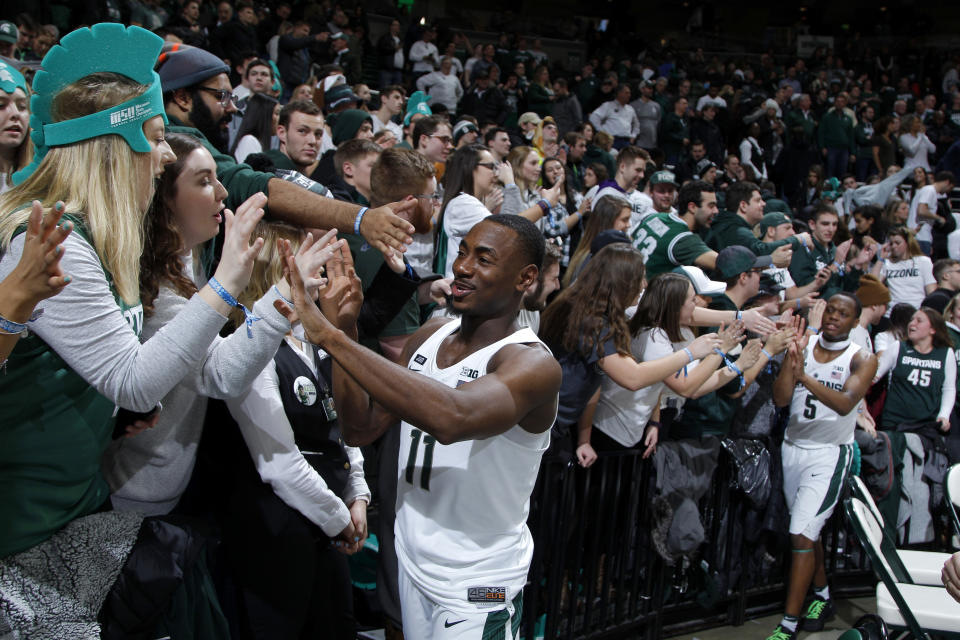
<point>461,531</point>
<point>812,423</point>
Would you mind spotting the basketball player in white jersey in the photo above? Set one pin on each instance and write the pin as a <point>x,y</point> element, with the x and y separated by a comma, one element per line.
<point>823,380</point>
<point>476,401</point>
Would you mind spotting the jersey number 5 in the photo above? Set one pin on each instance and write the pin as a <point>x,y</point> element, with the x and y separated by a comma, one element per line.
<point>428,443</point>
<point>809,408</point>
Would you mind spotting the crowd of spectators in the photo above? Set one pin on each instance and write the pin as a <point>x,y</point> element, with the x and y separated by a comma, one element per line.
<point>675,193</point>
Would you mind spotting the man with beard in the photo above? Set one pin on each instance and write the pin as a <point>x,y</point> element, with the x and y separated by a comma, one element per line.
<point>535,298</point>
<point>198,102</point>
<point>669,240</point>
<point>822,382</point>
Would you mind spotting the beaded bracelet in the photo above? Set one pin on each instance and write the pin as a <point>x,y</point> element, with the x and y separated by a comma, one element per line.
<point>225,295</point>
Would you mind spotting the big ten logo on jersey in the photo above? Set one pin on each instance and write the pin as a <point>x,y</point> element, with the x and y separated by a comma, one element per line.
<point>467,375</point>
<point>487,596</point>
<point>134,318</point>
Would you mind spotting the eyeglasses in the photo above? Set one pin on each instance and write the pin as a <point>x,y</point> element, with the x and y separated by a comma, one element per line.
<point>489,165</point>
<point>436,197</point>
<point>224,97</point>
<point>443,139</point>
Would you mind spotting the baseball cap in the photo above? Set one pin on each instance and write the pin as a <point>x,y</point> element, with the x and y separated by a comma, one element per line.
<point>768,285</point>
<point>529,116</point>
<point>9,32</point>
<point>663,177</point>
<point>339,94</point>
<point>734,260</point>
<point>181,65</point>
<point>339,35</point>
<point>773,219</point>
<point>702,285</point>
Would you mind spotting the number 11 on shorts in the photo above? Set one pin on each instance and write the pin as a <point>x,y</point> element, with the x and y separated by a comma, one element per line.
<point>428,443</point>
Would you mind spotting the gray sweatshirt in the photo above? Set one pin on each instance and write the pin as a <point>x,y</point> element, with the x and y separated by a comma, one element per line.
<point>150,471</point>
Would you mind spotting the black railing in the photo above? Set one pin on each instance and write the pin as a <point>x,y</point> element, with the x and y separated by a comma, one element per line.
<point>596,573</point>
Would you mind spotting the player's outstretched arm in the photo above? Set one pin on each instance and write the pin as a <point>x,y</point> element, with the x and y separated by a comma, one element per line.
<point>863,367</point>
<point>520,387</point>
<point>381,227</point>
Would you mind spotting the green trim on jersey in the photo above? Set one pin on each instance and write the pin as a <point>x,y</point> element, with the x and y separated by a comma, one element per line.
<point>54,426</point>
<point>495,625</point>
<point>844,458</point>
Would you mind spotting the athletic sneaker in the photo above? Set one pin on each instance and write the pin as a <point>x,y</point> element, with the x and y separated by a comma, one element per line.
<point>781,633</point>
<point>818,612</point>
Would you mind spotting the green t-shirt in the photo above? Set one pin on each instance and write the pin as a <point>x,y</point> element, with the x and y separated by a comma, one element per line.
<point>915,387</point>
<point>54,427</point>
<point>666,242</point>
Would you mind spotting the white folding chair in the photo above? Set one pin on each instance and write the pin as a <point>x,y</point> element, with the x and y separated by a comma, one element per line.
<point>918,609</point>
<point>908,567</point>
<point>952,484</point>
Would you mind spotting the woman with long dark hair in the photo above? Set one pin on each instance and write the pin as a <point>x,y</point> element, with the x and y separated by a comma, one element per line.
<point>660,328</point>
<point>258,127</point>
<point>586,327</point>
<point>471,174</point>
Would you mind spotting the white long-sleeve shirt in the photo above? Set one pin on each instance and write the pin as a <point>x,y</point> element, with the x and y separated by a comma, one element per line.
<point>423,56</point>
<point>443,88</point>
<point>915,150</point>
<point>269,437</point>
<point>619,120</point>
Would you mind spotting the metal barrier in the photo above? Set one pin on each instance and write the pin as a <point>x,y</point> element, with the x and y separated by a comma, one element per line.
<point>595,573</point>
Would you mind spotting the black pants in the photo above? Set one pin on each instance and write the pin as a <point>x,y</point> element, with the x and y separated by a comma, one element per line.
<point>289,581</point>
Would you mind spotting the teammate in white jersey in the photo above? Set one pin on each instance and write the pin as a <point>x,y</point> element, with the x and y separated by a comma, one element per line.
<point>823,381</point>
<point>476,403</point>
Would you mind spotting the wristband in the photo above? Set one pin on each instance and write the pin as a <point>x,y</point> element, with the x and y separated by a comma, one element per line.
<point>654,423</point>
<point>739,315</point>
<point>289,302</point>
<point>249,318</point>
<point>689,354</point>
<point>840,267</point>
<point>683,369</point>
<point>359,218</point>
<point>766,353</point>
<point>816,331</point>
<point>544,206</point>
<point>730,365</point>
<point>11,328</point>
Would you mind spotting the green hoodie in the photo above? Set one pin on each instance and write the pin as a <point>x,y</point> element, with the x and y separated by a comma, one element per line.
<point>730,229</point>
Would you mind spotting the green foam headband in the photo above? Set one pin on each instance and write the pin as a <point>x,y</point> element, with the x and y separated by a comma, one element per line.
<point>11,79</point>
<point>125,120</point>
<point>106,47</point>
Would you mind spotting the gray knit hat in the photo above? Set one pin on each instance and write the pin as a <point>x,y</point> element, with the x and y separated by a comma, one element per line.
<point>181,65</point>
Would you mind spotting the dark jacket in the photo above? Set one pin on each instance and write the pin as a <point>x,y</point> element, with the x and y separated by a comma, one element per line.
<point>385,52</point>
<point>293,58</point>
<point>490,105</point>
